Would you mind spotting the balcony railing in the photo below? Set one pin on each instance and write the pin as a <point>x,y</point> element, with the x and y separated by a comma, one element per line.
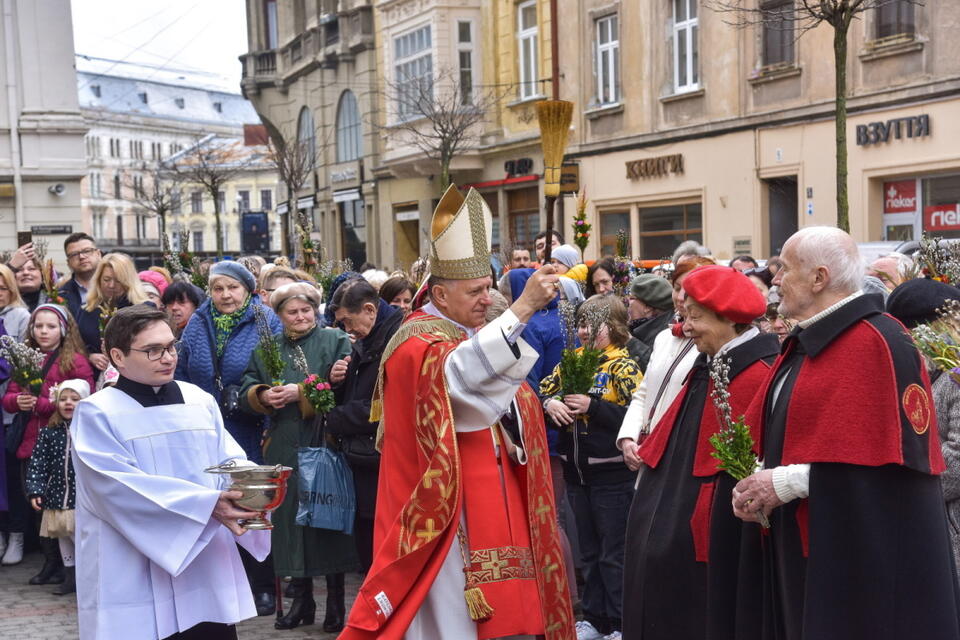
<point>265,64</point>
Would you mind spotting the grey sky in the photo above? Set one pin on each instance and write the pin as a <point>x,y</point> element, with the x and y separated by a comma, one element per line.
<point>192,35</point>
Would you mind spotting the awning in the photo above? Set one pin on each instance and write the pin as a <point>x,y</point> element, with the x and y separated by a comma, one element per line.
<point>282,208</point>
<point>306,202</point>
<point>504,182</point>
<point>346,195</point>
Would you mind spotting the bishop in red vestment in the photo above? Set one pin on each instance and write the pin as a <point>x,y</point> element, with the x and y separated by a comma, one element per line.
<point>465,540</point>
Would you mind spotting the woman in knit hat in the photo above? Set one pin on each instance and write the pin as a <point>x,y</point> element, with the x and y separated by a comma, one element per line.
<point>306,349</point>
<point>218,341</point>
<point>52,331</point>
<point>215,348</point>
<point>154,284</point>
<point>682,556</point>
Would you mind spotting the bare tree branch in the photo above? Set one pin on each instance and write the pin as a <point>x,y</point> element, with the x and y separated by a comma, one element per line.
<point>438,115</point>
<point>807,15</point>
<point>154,191</point>
<point>211,162</point>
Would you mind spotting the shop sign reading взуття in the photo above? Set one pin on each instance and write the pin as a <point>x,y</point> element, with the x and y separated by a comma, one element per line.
<point>909,127</point>
<point>655,167</point>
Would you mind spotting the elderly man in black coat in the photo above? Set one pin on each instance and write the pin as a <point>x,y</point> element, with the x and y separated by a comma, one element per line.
<point>858,544</point>
<point>371,323</point>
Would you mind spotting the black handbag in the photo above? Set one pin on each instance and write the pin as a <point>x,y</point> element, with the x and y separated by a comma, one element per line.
<point>228,396</point>
<point>360,450</point>
<point>14,434</point>
<point>15,431</point>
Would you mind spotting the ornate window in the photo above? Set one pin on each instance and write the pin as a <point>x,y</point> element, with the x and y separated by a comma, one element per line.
<point>348,128</point>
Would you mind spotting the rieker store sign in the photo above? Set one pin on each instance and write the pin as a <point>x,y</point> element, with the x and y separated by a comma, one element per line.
<point>941,217</point>
<point>900,196</point>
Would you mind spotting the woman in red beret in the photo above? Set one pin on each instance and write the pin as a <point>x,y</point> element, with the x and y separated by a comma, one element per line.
<point>683,570</point>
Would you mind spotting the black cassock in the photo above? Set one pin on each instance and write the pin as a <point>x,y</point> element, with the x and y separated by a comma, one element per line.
<point>690,564</point>
<point>867,555</point>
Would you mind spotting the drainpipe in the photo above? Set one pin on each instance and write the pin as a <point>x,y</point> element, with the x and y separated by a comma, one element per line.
<point>554,51</point>
<point>9,34</point>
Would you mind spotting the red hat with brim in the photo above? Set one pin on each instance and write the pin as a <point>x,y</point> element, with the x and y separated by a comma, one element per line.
<point>726,292</point>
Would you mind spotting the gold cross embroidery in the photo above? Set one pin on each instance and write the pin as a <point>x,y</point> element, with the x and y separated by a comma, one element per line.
<point>495,564</point>
<point>542,509</point>
<point>429,533</point>
<point>429,476</point>
<point>549,569</point>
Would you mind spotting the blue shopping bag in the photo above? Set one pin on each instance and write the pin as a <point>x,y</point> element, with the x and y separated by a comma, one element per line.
<point>327,499</point>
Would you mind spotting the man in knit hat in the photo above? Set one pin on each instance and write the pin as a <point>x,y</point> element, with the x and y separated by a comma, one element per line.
<point>466,535</point>
<point>649,310</point>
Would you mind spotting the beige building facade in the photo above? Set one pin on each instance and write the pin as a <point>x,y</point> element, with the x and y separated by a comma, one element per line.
<point>497,55</point>
<point>41,129</point>
<point>311,75</point>
<point>687,128</point>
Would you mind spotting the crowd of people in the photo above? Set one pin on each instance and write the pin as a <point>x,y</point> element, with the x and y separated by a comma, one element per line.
<point>614,511</point>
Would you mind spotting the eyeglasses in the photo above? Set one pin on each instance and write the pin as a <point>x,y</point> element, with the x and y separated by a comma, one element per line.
<point>85,253</point>
<point>156,352</point>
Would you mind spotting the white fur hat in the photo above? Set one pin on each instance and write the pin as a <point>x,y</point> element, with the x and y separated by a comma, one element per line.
<point>81,387</point>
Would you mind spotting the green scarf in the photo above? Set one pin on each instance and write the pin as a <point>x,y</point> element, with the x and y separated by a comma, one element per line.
<point>224,323</point>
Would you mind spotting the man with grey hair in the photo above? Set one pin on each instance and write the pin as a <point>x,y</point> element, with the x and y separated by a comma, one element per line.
<point>688,249</point>
<point>858,544</point>
<point>892,269</point>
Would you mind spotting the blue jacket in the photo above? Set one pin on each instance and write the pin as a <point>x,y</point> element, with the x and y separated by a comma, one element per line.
<point>196,365</point>
<point>544,332</point>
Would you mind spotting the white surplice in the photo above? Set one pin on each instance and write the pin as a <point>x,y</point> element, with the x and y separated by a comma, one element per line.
<point>483,375</point>
<point>151,561</point>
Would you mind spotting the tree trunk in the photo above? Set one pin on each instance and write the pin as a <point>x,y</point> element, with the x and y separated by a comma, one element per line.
<point>285,227</point>
<point>444,175</point>
<point>840,63</point>
<point>219,226</point>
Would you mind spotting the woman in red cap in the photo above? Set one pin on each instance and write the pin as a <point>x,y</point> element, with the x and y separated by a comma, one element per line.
<point>683,570</point>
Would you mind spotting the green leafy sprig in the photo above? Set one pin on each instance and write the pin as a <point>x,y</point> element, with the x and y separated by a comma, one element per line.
<point>268,349</point>
<point>578,367</point>
<point>581,228</point>
<point>732,444</point>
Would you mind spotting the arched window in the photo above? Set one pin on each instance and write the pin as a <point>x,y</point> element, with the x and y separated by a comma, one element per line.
<point>348,128</point>
<point>307,135</point>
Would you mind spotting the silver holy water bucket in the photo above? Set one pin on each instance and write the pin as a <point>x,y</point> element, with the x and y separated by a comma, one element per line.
<point>263,488</point>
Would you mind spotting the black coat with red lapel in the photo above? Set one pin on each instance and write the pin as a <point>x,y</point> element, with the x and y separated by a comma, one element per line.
<point>683,565</point>
<point>867,555</point>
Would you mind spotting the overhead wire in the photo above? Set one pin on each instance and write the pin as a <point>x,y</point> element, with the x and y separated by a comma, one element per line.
<point>143,44</point>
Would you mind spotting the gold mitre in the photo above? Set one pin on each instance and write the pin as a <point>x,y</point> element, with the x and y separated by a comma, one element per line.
<point>460,236</point>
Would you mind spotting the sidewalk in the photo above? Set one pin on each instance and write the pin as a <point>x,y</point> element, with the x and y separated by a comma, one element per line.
<point>34,613</point>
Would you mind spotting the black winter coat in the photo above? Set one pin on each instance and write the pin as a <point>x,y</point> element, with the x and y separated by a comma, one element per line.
<point>644,332</point>
<point>50,469</point>
<point>349,421</point>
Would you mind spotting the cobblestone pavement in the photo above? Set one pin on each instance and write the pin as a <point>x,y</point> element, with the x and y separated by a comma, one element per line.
<point>34,613</point>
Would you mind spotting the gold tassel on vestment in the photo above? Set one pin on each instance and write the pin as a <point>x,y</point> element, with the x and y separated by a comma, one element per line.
<point>480,610</point>
<point>477,605</point>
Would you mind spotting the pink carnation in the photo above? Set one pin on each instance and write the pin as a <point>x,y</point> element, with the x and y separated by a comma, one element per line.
<point>319,386</point>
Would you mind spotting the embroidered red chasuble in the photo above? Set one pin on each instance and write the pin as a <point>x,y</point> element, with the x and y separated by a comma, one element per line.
<point>429,476</point>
